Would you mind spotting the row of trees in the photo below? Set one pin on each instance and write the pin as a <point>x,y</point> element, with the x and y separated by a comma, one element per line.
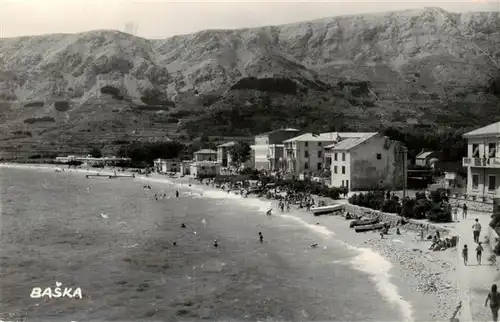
<point>435,208</point>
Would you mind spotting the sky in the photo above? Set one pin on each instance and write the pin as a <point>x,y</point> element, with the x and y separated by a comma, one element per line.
<point>157,19</point>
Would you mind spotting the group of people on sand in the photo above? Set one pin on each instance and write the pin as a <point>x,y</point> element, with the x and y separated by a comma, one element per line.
<point>285,196</point>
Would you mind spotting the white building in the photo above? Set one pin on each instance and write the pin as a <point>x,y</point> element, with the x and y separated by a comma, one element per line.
<point>204,168</point>
<point>483,162</point>
<point>205,155</point>
<point>305,153</point>
<point>266,141</point>
<point>365,161</point>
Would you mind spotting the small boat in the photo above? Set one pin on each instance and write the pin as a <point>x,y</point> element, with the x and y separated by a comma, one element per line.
<point>326,209</point>
<point>360,229</point>
<point>363,222</point>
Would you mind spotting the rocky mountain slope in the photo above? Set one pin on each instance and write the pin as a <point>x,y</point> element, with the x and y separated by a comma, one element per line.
<point>417,67</point>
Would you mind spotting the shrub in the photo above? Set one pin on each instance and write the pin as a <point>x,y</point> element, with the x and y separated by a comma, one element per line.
<point>61,106</point>
<point>35,104</point>
<point>43,119</point>
<point>439,212</point>
<point>110,90</point>
<point>435,209</point>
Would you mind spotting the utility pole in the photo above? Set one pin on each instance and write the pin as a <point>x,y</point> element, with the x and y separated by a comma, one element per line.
<point>405,168</point>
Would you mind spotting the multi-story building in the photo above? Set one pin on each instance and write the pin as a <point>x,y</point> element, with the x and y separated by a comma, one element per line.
<point>482,162</point>
<point>267,149</point>
<point>305,153</point>
<point>224,155</point>
<point>205,155</point>
<point>364,161</point>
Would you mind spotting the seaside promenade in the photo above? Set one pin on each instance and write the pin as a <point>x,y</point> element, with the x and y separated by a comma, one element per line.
<point>475,280</point>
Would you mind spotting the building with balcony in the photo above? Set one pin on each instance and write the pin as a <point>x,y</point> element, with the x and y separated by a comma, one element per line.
<point>205,155</point>
<point>263,158</point>
<point>224,155</point>
<point>365,161</point>
<point>483,162</point>
<point>305,153</point>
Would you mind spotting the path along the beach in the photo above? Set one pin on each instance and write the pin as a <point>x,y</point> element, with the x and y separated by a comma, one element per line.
<point>474,280</point>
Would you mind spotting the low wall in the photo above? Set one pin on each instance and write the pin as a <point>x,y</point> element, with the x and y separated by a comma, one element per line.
<point>477,205</point>
<point>394,219</point>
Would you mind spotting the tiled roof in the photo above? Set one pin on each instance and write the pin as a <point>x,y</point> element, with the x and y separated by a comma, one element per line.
<point>424,155</point>
<point>206,151</point>
<point>227,144</point>
<point>331,136</point>
<point>492,129</point>
<point>351,142</point>
<point>279,130</point>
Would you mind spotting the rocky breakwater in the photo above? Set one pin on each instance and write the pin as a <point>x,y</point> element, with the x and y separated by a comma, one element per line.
<point>395,220</point>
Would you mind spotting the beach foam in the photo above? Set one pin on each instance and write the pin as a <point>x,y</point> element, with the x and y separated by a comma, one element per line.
<point>319,229</point>
<point>375,265</point>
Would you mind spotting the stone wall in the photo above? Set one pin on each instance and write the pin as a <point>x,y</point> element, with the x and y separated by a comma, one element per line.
<point>393,219</point>
<point>477,205</point>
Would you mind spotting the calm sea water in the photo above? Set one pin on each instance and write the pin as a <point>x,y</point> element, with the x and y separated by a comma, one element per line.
<point>53,229</point>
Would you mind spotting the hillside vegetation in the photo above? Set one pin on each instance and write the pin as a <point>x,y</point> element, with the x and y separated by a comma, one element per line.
<point>420,70</point>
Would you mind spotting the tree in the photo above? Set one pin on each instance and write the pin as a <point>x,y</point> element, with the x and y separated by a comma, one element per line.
<point>240,153</point>
<point>95,152</point>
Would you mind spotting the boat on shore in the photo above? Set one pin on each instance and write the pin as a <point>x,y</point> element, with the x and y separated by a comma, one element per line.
<point>363,222</point>
<point>326,209</point>
<point>364,228</point>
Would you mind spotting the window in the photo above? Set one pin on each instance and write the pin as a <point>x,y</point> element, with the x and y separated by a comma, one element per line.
<point>335,156</point>
<point>306,154</point>
<point>319,165</point>
<point>335,169</point>
<point>347,183</point>
<point>306,165</point>
<point>343,169</point>
<point>319,154</point>
<point>319,143</point>
<point>475,150</point>
<point>379,156</point>
<point>475,181</point>
<point>492,147</point>
<point>342,183</point>
<point>306,144</point>
<point>492,184</point>
<point>343,156</point>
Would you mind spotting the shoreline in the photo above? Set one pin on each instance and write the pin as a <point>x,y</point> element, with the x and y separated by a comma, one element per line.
<point>400,267</point>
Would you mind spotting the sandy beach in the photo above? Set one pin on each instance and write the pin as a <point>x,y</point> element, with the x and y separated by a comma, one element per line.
<point>414,283</point>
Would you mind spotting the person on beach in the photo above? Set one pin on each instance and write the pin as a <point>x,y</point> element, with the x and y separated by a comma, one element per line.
<point>455,213</point>
<point>269,212</point>
<point>464,211</point>
<point>288,206</point>
<point>465,254</point>
<point>494,299</point>
<point>476,230</point>
<point>176,193</point>
<point>479,252</point>
<point>261,238</point>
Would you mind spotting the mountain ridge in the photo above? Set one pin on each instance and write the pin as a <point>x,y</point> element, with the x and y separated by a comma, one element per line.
<point>419,64</point>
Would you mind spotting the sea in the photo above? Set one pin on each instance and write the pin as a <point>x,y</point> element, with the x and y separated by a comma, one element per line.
<point>138,253</point>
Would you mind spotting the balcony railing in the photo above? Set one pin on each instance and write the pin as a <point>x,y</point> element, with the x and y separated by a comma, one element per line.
<point>481,162</point>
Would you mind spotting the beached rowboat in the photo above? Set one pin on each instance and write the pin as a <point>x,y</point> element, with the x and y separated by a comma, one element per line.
<point>326,209</point>
<point>360,229</point>
<point>363,222</point>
